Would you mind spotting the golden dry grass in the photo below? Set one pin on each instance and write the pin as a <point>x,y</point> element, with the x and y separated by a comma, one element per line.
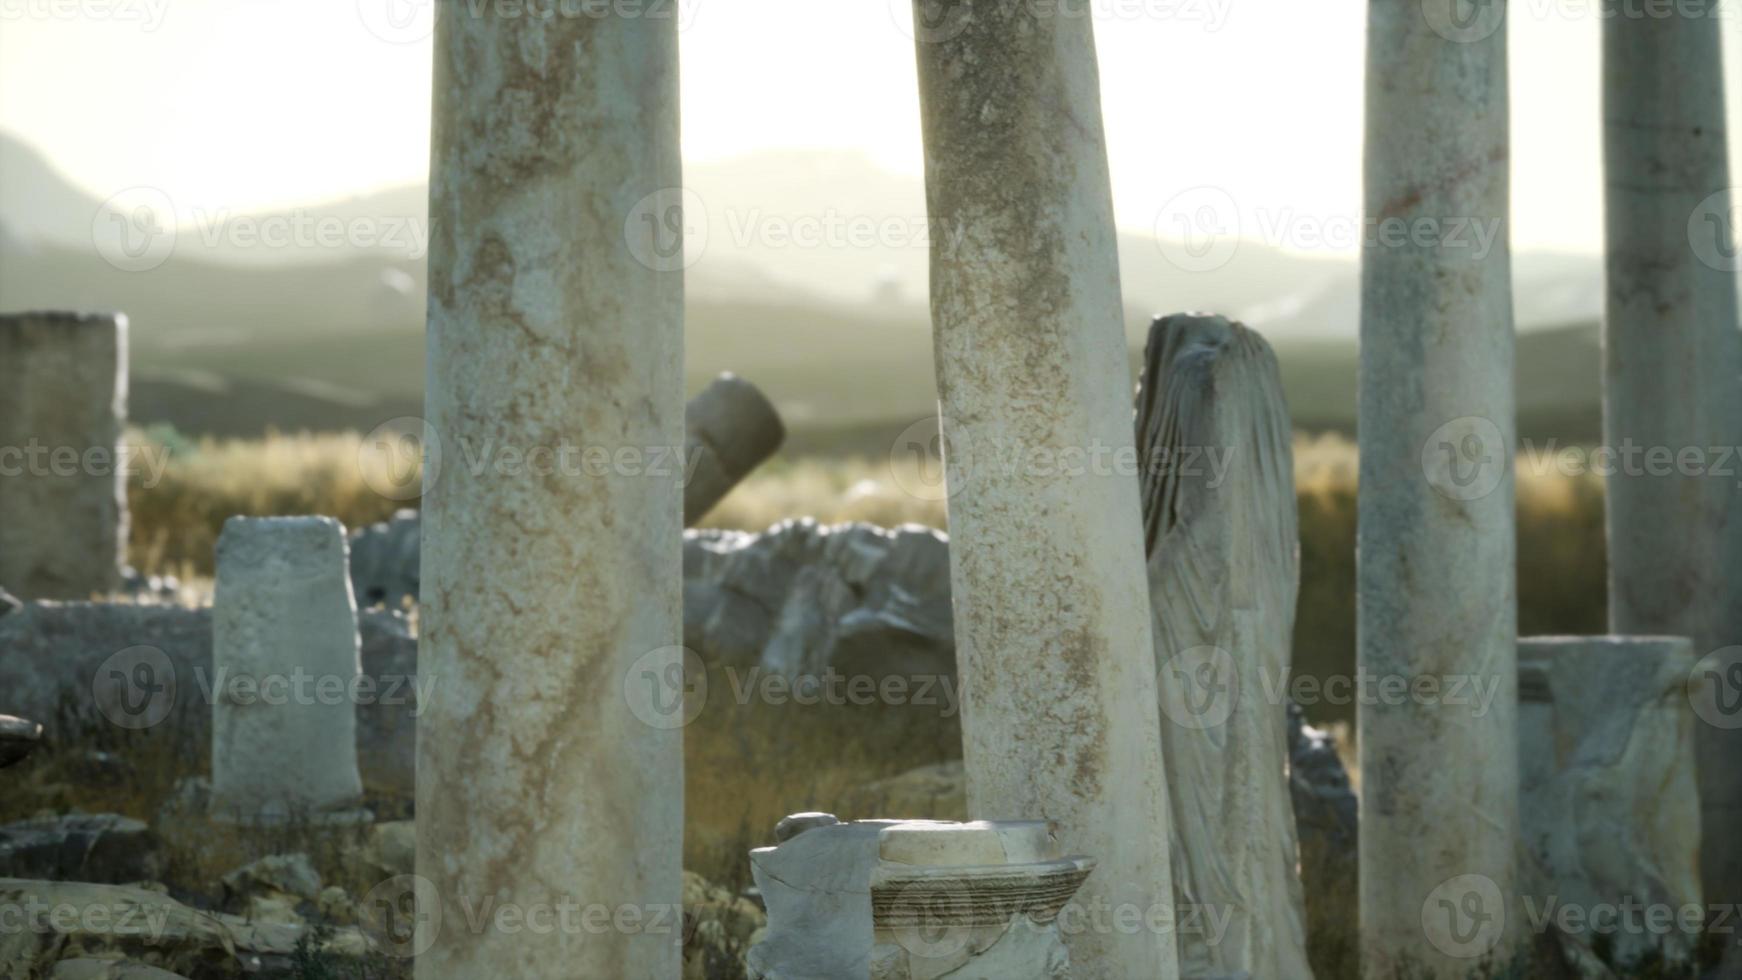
<point>1561,558</point>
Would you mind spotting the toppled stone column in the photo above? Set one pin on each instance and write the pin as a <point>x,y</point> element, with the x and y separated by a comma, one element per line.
<point>1672,358</point>
<point>18,738</point>
<point>731,429</point>
<point>1610,807</point>
<point>552,603</point>
<point>1059,710</point>
<point>1215,450</point>
<point>914,900</point>
<point>63,404</point>
<point>1436,570</point>
<point>285,662</point>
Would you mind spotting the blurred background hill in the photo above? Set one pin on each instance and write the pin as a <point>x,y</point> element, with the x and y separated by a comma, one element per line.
<point>809,277</point>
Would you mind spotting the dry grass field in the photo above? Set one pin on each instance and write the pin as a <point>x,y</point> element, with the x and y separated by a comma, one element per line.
<point>1561,556</point>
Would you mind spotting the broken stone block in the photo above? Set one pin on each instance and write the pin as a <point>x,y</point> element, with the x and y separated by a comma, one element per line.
<point>99,847</point>
<point>285,665</point>
<point>915,900</point>
<point>18,738</point>
<point>63,502</point>
<point>1609,795</point>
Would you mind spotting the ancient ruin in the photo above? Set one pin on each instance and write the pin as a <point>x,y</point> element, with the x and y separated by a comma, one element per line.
<point>1610,807</point>
<point>1224,571</point>
<point>915,900</point>
<point>550,606</point>
<point>63,403</point>
<point>1672,356</point>
<point>1052,620</point>
<point>285,668</point>
<point>1436,562</point>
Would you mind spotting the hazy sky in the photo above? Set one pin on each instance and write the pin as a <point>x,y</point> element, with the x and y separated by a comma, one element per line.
<point>245,103</point>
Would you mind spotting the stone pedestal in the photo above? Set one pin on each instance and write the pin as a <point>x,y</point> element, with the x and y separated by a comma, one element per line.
<point>1221,530</point>
<point>63,488</point>
<point>550,759</point>
<point>732,428</point>
<point>1052,618</point>
<point>285,668</point>
<point>916,900</point>
<point>1672,357</point>
<point>1608,795</point>
<point>1436,564</point>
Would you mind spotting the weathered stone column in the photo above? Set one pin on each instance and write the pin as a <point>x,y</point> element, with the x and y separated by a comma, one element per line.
<point>1059,712</point>
<point>63,490</point>
<point>1611,815</point>
<point>731,428</point>
<point>1672,370</point>
<point>1436,569</point>
<point>1222,533</point>
<point>549,601</point>
<point>285,663</point>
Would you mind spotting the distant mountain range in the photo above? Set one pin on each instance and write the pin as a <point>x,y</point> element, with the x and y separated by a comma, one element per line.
<point>810,278</point>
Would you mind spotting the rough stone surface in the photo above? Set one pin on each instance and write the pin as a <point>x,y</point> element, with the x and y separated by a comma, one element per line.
<point>286,664</point>
<point>801,597</point>
<point>916,900</point>
<point>551,604</point>
<point>384,561</point>
<point>122,923</point>
<point>1671,357</point>
<point>18,738</point>
<point>1609,799</point>
<point>1052,619</point>
<point>1436,558</point>
<point>102,847</point>
<point>63,389</point>
<point>1224,571</point>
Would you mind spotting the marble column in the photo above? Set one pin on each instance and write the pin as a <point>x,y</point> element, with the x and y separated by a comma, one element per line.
<point>1672,370</point>
<point>63,487</point>
<point>1436,573</point>
<point>549,598</point>
<point>1059,715</point>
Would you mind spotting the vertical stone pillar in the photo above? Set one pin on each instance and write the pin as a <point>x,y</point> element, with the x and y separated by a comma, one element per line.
<point>1059,712</point>
<point>1672,369</point>
<point>550,600</point>
<point>1222,533</point>
<point>1436,568</point>
<point>63,492</point>
<point>285,663</point>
